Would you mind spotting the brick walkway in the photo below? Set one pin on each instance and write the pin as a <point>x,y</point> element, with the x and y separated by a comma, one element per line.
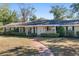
<point>43,50</point>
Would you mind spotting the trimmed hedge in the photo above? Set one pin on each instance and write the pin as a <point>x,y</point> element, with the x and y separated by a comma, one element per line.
<point>32,35</point>
<point>23,34</point>
<point>49,35</point>
<point>14,33</point>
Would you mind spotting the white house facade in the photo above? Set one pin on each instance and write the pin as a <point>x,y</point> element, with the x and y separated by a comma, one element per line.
<point>43,26</point>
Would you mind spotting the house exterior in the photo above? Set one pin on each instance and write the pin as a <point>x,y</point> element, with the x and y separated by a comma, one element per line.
<point>43,26</point>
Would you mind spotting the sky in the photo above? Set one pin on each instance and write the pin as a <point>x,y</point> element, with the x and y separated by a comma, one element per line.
<point>42,9</point>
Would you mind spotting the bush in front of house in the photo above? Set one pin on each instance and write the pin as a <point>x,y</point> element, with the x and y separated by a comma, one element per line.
<point>19,34</point>
<point>31,35</point>
<point>1,29</point>
<point>10,33</point>
<point>23,34</point>
<point>49,35</point>
<point>61,31</point>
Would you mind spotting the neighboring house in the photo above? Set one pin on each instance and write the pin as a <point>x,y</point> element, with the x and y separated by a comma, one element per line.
<point>43,26</point>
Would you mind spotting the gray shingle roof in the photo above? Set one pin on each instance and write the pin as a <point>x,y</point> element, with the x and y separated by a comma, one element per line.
<point>46,22</point>
<point>52,22</point>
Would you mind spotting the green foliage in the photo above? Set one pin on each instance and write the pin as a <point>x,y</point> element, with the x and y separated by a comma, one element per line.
<point>60,13</point>
<point>1,29</point>
<point>61,31</point>
<point>12,33</point>
<point>33,18</point>
<point>6,15</point>
<point>75,7</point>
<point>49,35</point>
<point>13,16</point>
<point>15,33</point>
<point>31,35</point>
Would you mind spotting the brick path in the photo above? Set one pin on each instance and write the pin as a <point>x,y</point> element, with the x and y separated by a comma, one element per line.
<point>43,50</point>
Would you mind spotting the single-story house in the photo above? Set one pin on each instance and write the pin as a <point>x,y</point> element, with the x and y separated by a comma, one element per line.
<point>43,26</point>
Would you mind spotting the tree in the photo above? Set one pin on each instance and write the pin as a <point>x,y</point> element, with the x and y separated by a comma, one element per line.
<point>60,13</point>
<point>75,9</point>
<point>6,16</point>
<point>33,18</point>
<point>26,12</point>
<point>13,16</point>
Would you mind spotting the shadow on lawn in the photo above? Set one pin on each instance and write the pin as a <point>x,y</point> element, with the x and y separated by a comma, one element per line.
<point>64,50</point>
<point>20,51</point>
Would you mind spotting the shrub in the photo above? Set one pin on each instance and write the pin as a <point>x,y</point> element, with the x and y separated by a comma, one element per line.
<point>14,33</point>
<point>61,31</point>
<point>31,35</point>
<point>49,35</point>
<point>19,33</point>
<point>1,29</point>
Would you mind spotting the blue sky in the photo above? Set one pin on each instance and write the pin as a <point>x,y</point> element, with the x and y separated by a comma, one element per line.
<point>42,9</point>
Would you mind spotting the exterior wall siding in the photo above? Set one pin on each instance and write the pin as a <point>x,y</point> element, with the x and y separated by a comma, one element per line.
<point>76,28</point>
<point>52,30</point>
<point>7,29</point>
<point>69,27</point>
<point>26,30</point>
<point>40,30</point>
<point>20,29</point>
<point>44,30</point>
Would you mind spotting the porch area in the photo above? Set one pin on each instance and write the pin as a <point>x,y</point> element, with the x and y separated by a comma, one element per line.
<point>37,30</point>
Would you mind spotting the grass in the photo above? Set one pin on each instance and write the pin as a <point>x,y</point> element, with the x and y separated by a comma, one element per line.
<point>10,42</point>
<point>16,46</point>
<point>12,46</point>
<point>62,47</point>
